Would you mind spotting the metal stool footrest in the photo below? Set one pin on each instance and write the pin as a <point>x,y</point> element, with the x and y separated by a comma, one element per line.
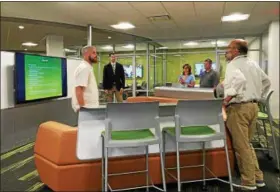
<point>194,166</point>
<point>133,188</point>
<point>127,173</point>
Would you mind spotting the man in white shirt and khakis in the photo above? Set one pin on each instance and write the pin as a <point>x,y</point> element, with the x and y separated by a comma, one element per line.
<point>244,85</point>
<point>85,91</point>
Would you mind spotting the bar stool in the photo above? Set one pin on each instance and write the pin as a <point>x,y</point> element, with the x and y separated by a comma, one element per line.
<point>264,116</point>
<point>129,125</point>
<point>192,125</point>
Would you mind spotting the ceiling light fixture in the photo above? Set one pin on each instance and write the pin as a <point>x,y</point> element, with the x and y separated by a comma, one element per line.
<point>123,25</point>
<point>21,27</point>
<point>108,47</point>
<point>25,49</point>
<point>191,43</point>
<point>130,46</point>
<point>163,48</point>
<point>218,42</point>
<point>235,17</point>
<point>109,37</point>
<point>29,44</point>
<point>70,50</point>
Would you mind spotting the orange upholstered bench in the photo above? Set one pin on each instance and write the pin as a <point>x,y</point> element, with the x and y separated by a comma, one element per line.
<point>59,168</point>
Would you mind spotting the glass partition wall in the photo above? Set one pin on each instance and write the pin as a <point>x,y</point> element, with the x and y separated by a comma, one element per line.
<point>148,63</point>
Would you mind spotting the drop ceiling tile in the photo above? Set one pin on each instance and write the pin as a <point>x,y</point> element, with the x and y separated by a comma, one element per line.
<point>240,7</point>
<point>149,8</point>
<point>209,10</point>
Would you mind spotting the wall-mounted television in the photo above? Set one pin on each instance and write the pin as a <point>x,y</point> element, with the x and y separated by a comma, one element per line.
<point>129,72</point>
<point>39,77</point>
<point>199,68</point>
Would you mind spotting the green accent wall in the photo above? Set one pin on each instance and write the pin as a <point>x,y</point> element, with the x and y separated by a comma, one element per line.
<point>174,64</point>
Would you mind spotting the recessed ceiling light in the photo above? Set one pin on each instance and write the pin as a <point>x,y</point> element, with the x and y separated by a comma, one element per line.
<point>235,17</point>
<point>191,43</point>
<point>123,25</point>
<point>163,48</point>
<point>70,50</point>
<point>109,37</point>
<point>108,47</point>
<point>21,27</point>
<point>25,49</point>
<point>130,46</point>
<point>29,44</point>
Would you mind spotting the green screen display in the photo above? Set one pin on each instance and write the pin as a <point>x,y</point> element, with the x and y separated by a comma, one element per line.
<point>43,77</point>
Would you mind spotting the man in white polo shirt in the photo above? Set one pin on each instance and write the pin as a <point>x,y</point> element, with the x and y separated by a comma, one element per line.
<point>85,91</point>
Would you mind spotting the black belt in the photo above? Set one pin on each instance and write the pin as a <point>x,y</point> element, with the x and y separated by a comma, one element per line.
<point>243,102</point>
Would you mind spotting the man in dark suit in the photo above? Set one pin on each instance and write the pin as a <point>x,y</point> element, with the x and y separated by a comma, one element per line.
<point>113,79</point>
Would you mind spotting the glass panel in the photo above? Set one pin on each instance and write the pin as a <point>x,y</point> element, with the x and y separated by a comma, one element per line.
<point>179,53</point>
<point>141,69</point>
<point>223,64</point>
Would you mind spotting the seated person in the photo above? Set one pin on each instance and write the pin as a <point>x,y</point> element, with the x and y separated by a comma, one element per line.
<point>187,78</point>
<point>209,78</point>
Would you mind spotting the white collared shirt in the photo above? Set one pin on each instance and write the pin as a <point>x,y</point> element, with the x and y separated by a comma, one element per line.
<point>245,80</point>
<point>84,76</point>
<point>114,66</point>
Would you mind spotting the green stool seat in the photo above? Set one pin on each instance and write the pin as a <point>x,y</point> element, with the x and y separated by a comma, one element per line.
<point>192,130</point>
<point>262,115</point>
<point>132,134</point>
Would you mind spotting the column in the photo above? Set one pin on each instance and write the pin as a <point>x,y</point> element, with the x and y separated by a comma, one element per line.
<point>55,46</point>
<point>273,66</point>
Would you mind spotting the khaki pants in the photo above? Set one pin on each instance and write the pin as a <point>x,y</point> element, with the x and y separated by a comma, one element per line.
<point>241,122</point>
<point>111,93</point>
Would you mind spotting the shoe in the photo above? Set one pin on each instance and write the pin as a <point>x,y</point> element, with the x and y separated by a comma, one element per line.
<point>248,187</point>
<point>260,183</point>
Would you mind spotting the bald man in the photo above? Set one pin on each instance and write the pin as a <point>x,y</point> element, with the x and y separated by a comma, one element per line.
<point>85,92</point>
<point>244,85</point>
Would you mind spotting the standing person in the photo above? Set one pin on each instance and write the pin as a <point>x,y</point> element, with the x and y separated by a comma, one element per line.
<point>187,78</point>
<point>209,78</point>
<point>113,79</point>
<point>85,91</point>
<point>245,83</point>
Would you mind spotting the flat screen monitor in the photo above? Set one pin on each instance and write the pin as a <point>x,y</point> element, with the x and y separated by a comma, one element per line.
<point>39,77</point>
<point>129,72</point>
<point>199,68</point>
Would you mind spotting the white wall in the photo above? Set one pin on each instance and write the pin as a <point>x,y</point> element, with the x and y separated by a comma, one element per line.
<point>273,65</point>
<point>7,78</point>
<point>254,44</point>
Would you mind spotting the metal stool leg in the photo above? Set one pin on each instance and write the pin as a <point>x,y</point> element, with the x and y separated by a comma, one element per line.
<point>147,168</point>
<point>203,162</point>
<point>102,163</point>
<point>258,131</point>
<point>228,166</point>
<point>274,144</point>
<point>178,166</point>
<point>106,169</point>
<point>163,148</point>
<point>266,138</point>
<point>162,167</point>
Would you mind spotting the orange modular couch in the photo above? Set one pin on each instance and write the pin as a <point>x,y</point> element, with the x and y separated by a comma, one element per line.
<point>59,168</point>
